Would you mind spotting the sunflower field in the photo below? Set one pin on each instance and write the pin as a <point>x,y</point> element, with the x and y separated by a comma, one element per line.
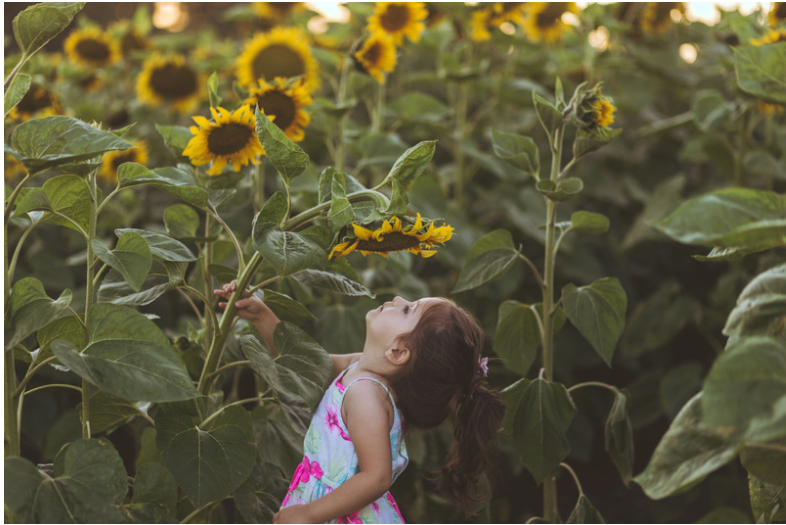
<point>601,185</point>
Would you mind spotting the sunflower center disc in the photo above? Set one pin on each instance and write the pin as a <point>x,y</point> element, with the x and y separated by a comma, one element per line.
<point>373,54</point>
<point>391,242</point>
<point>35,99</point>
<point>121,159</point>
<point>91,49</point>
<point>173,81</point>
<point>278,60</point>
<point>395,18</point>
<point>278,104</point>
<point>228,139</point>
<point>551,15</point>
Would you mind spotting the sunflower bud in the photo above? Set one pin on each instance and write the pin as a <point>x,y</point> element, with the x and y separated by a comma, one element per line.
<point>589,110</point>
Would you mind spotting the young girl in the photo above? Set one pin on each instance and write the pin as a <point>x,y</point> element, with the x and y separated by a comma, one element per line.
<point>420,362</point>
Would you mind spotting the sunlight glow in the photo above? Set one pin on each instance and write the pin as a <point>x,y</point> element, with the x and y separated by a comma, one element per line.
<point>170,16</point>
<point>689,53</point>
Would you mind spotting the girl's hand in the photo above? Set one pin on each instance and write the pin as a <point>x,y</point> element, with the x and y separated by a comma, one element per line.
<point>294,514</point>
<point>249,307</point>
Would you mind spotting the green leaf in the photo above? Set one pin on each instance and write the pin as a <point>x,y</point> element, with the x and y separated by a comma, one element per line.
<point>768,501</point>
<point>662,201</point>
<point>725,515</point>
<point>731,217</point>
<point>49,142</point>
<point>588,222</point>
<point>745,382</point>
<point>131,257</point>
<point>171,180</point>
<point>274,210</point>
<point>16,91</point>
<point>286,156</point>
<point>259,501</point>
<point>212,89</point>
<point>302,368</point>
<point>561,191</point>
<point>287,252</point>
<point>277,442</point>
<point>491,256</point>
<point>584,512</point>
<point>68,328</point>
<point>20,495</point>
<point>686,453</point>
<point>351,184</point>
<point>334,282</point>
<point>537,417</point>
<point>761,71</point>
<point>519,151</point>
<point>286,308</point>
<point>161,246</point>
<point>618,437</point>
<point>91,484</point>
<point>207,464</point>
<point>550,117</point>
<point>154,485</point>
<point>163,276</point>
<point>598,312</point>
<point>176,138</point>
<point>711,110</point>
<point>66,198</point>
<point>181,221</point>
<point>30,309</point>
<point>761,307</point>
<point>129,357</point>
<point>517,336</point>
<point>588,141</point>
<point>412,163</point>
<point>767,461</point>
<point>398,200</point>
<point>107,412</point>
<point>340,213</point>
<point>40,23</point>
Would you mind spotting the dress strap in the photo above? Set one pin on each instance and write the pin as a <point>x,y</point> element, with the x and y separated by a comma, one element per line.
<point>380,383</point>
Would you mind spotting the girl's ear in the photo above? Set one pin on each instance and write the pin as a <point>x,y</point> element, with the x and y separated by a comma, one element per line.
<point>397,356</point>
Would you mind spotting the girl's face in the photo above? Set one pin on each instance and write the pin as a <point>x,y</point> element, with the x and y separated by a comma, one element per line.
<point>393,319</point>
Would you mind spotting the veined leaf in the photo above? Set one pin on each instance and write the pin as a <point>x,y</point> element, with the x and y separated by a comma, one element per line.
<point>761,71</point>
<point>491,256</point>
<point>517,336</point>
<point>340,213</point>
<point>334,282</point>
<point>287,252</point>
<point>40,23</point>
<point>412,163</point>
<point>618,437</point>
<point>162,246</point>
<point>171,180</point>
<point>29,309</point>
<point>286,156</point>
<point>131,257</point>
<point>519,151</point>
<point>16,91</point>
<point>584,512</point>
<point>761,307</point>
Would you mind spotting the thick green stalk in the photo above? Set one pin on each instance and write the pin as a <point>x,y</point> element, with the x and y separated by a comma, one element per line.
<point>89,291</point>
<point>259,186</point>
<point>12,447</point>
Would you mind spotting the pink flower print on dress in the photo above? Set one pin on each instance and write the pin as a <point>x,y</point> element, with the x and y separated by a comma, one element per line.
<point>393,504</point>
<point>316,470</point>
<point>350,518</point>
<point>332,422</point>
<point>301,474</point>
<point>375,508</point>
<point>286,499</point>
<point>341,388</point>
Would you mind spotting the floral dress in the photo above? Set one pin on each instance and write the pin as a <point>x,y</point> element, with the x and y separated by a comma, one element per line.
<point>330,458</point>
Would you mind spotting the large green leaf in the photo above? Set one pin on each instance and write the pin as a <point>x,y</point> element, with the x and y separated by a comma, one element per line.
<point>548,114</point>
<point>107,412</point>
<point>259,498</point>
<point>491,256</point>
<point>286,156</point>
<point>768,501</point>
<point>49,142</point>
<point>92,482</point>
<point>767,461</point>
<point>277,441</point>
<point>171,180</point>
<point>154,485</point>
<point>287,252</point>
<point>69,328</point>
<point>745,382</point>
<point>412,163</point>
<point>686,453</point>
<point>131,257</point>
<point>29,309</point>
<point>302,368</point>
<point>286,308</point>
<point>181,221</point>
<point>163,276</point>
<point>732,217</point>
<point>517,336</point>
<point>584,512</point>
<point>519,151</point>
<point>40,23</point>
<point>761,307</point>
<point>207,464</point>
<point>162,246</point>
<point>538,415</point>
<point>176,138</point>
<point>588,222</point>
<point>562,190</point>
<point>618,437</point>
<point>20,495</point>
<point>761,71</point>
<point>587,142</point>
<point>598,312</point>
<point>340,213</point>
<point>16,91</point>
<point>65,198</point>
<point>334,282</point>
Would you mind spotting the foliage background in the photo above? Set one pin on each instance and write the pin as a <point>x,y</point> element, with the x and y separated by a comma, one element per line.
<point>688,129</point>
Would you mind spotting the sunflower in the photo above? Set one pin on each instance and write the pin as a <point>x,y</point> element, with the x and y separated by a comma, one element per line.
<point>479,25</point>
<point>392,237</point>
<point>277,11</point>
<point>544,21</point>
<point>777,13</point>
<point>113,159</point>
<point>603,112</point>
<point>498,13</point>
<point>284,101</point>
<point>92,47</point>
<point>169,80</point>
<point>376,54</point>
<point>397,19</point>
<point>775,35</point>
<point>37,102</point>
<point>282,52</point>
<point>655,17</point>
<point>769,109</point>
<point>232,138</point>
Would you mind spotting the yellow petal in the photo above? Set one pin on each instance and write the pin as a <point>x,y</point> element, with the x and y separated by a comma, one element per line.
<point>415,227</point>
<point>428,253</point>
<point>361,233</point>
<point>425,236</point>
<point>382,231</point>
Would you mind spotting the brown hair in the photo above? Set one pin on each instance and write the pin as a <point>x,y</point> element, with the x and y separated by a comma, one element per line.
<point>444,375</point>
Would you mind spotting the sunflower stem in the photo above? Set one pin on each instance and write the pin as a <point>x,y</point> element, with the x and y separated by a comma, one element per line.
<point>316,211</point>
<point>380,106</point>
<point>259,187</point>
<point>15,71</point>
<point>207,278</point>
<point>90,285</point>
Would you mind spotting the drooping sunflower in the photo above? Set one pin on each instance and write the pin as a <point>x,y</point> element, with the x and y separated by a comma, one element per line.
<point>37,102</point>
<point>777,13</point>
<point>113,159</point>
<point>169,80</point>
<point>284,100</point>
<point>655,17</point>
<point>391,236</point>
<point>544,21</point>
<point>773,36</point>
<point>397,19</point>
<point>230,139</point>
<point>92,47</point>
<point>376,55</point>
<point>283,52</point>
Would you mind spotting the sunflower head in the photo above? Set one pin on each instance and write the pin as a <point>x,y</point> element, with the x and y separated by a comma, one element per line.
<point>377,54</point>
<point>91,47</point>
<point>282,52</point>
<point>590,110</point>
<point>655,17</point>
<point>231,138</point>
<point>772,36</point>
<point>37,102</point>
<point>169,80</point>
<point>777,13</point>
<point>113,159</point>
<point>393,236</point>
<point>397,19</point>
<point>283,100</point>
<point>544,21</point>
